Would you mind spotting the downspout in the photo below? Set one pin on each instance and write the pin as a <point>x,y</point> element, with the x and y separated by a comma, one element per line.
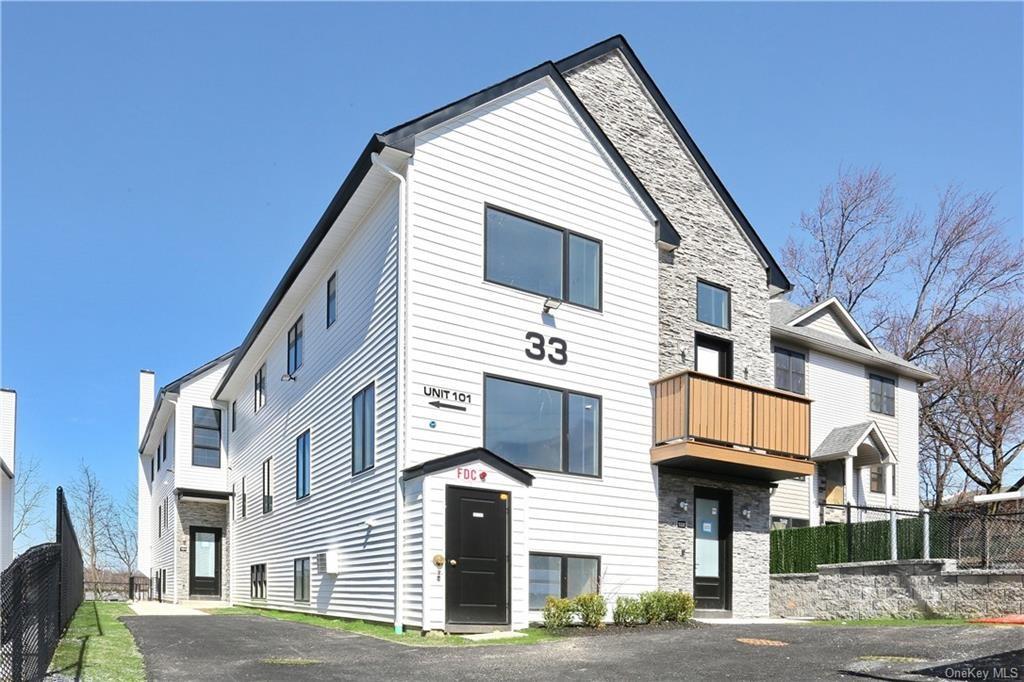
<point>400,407</point>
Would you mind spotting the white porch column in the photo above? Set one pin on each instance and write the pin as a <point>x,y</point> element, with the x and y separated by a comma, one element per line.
<point>848,490</point>
<point>888,470</point>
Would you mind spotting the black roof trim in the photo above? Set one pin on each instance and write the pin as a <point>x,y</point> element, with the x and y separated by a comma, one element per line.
<point>7,472</point>
<point>341,198</point>
<point>466,456</point>
<point>207,494</point>
<point>776,276</point>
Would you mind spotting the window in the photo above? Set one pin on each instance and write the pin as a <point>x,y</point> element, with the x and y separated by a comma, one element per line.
<point>243,497</point>
<point>205,437</point>
<point>552,575</point>
<point>883,394</point>
<point>542,259</point>
<point>713,304</point>
<point>159,452</point>
<point>789,371</point>
<point>302,579</point>
<point>152,469</point>
<point>363,430</point>
<point>780,522</point>
<point>301,466</point>
<point>258,581</point>
<point>332,299</point>
<point>164,443</point>
<point>167,511</point>
<point>160,520</point>
<point>234,416</point>
<point>260,388</point>
<point>876,475</point>
<point>268,499</point>
<point>295,347</point>
<point>539,427</point>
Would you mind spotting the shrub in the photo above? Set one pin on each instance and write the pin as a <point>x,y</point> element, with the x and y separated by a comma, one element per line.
<point>680,606</point>
<point>627,612</point>
<point>591,608</point>
<point>665,607</point>
<point>558,612</point>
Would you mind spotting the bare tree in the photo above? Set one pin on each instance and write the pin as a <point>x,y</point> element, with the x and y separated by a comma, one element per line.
<point>121,534</point>
<point>853,241</point>
<point>92,509</point>
<point>29,499</point>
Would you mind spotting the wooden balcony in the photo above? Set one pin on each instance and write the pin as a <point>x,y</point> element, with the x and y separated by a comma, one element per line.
<point>723,426</point>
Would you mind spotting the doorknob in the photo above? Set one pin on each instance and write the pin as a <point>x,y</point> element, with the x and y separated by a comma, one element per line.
<point>452,562</point>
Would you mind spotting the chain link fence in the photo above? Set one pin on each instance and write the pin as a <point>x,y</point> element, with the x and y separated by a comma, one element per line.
<point>39,593</point>
<point>975,538</point>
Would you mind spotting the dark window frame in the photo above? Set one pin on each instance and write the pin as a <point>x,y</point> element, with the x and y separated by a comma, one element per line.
<point>332,299</point>
<point>295,346</point>
<point>163,442</point>
<point>882,381</point>
<point>259,395</point>
<point>724,346</point>
<point>565,421</point>
<point>790,353</point>
<point>301,596</point>
<point>564,570</point>
<point>234,415</point>
<point>728,303</point>
<point>268,497</point>
<point>371,463</point>
<point>220,435</point>
<point>565,294</point>
<point>159,452</point>
<point>243,497</point>
<point>258,581</point>
<point>152,468</point>
<point>303,466</point>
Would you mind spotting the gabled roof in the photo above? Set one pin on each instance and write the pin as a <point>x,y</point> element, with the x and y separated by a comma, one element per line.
<point>776,276</point>
<point>843,441</point>
<point>402,137</point>
<point>465,457</point>
<point>783,312</point>
<point>837,309</point>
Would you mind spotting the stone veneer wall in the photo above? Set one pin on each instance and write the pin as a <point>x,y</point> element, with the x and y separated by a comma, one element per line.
<point>901,589</point>
<point>713,246</point>
<point>211,515</point>
<point>749,540</point>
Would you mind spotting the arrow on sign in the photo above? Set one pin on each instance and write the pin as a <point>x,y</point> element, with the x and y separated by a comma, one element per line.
<point>447,406</point>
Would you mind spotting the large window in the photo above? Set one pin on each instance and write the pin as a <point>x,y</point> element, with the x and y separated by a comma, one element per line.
<point>332,299</point>
<point>234,416</point>
<point>553,575</point>
<point>302,465</point>
<point>539,427</point>
<point>302,579</point>
<point>789,370</point>
<point>542,259</point>
<point>260,388</point>
<point>258,581</point>
<point>876,479</point>
<point>363,430</point>
<point>268,497</point>
<point>883,394</point>
<point>205,437</point>
<point>713,304</point>
<point>295,347</point>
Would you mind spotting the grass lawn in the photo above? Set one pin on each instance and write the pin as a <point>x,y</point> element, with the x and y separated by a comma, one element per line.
<point>894,622</point>
<point>381,630</point>
<point>98,646</point>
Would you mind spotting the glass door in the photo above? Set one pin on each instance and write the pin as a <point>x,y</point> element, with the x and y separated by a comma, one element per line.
<point>712,532</point>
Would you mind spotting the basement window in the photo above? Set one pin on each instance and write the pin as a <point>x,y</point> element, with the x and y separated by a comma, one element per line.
<point>258,581</point>
<point>557,575</point>
<point>301,579</point>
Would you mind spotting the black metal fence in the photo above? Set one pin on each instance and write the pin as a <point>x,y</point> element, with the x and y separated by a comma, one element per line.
<point>975,538</point>
<point>41,590</point>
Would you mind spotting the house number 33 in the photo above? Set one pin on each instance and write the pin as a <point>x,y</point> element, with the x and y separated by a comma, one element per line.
<point>552,348</point>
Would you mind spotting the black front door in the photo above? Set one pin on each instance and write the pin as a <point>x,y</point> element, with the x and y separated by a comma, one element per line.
<point>204,561</point>
<point>477,548</point>
<point>712,548</point>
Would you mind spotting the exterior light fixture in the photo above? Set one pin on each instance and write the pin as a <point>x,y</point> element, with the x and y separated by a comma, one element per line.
<point>745,512</point>
<point>287,377</point>
<point>684,504</point>
<point>551,304</point>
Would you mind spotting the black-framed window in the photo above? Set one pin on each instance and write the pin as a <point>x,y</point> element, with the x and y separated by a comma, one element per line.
<point>167,512</point>
<point>302,465</point>
<point>205,437</point>
<point>259,395</point>
<point>332,299</point>
<point>301,579</point>
<point>243,497</point>
<point>268,497</point>
<point>713,304</point>
<point>234,415</point>
<point>790,370</point>
<point>164,442</point>
<point>152,469</point>
<point>295,346</point>
<point>542,259</point>
<point>562,575</point>
<point>159,454</point>
<point>258,581</point>
<point>541,427</point>
<point>364,429</point>
<point>160,520</point>
<point>883,394</point>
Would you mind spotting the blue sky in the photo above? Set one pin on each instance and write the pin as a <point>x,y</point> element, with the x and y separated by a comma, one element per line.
<point>161,164</point>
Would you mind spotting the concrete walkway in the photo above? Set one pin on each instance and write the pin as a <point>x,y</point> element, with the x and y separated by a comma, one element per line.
<point>156,608</point>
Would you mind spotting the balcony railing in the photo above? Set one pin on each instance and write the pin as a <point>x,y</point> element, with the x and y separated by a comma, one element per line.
<point>690,406</point>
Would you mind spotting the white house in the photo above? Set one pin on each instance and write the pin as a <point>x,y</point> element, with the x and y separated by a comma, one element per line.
<point>526,351</point>
<point>8,421</point>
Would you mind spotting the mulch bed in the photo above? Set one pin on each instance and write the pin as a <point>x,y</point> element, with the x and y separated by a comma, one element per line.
<point>612,629</point>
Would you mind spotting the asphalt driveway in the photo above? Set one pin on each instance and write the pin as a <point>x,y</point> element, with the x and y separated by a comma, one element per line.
<point>256,648</point>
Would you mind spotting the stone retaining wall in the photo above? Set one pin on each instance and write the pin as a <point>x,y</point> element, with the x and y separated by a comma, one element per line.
<point>900,589</point>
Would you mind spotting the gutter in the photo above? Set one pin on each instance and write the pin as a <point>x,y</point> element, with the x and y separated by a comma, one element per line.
<point>400,403</point>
